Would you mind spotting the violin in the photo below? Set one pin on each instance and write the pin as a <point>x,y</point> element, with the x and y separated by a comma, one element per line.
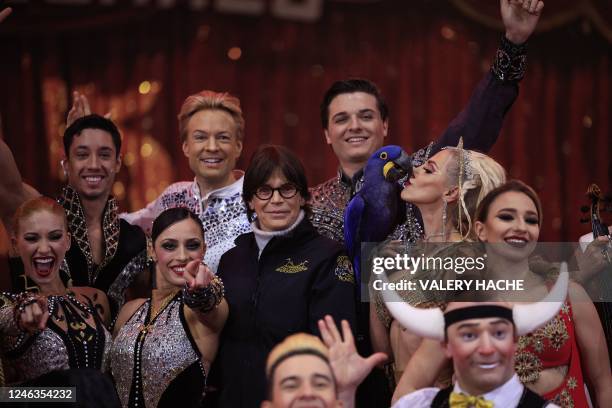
<point>597,201</point>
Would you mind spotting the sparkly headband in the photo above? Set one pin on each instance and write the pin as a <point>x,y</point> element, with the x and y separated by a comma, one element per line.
<point>466,172</point>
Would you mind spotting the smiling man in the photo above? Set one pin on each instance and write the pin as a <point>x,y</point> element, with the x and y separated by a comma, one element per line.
<point>211,128</point>
<point>481,338</point>
<point>303,371</point>
<point>106,252</point>
<point>300,374</point>
<point>355,121</point>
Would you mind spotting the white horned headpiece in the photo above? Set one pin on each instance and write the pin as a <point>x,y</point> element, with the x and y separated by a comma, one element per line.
<point>432,323</point>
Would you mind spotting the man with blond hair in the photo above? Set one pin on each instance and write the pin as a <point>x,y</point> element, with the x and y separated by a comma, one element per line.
<point>304,371</point>
<point>211,128</point>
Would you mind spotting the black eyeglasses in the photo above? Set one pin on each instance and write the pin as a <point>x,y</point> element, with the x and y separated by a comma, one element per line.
<point>286,191</point>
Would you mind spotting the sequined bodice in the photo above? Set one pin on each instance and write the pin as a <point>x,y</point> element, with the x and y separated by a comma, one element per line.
<point>77,345</point>
<point>144,364</point>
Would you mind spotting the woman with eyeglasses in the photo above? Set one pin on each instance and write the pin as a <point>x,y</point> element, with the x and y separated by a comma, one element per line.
<point>280,279</point>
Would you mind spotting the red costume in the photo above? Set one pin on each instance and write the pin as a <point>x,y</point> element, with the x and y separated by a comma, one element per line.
<point>551,346</point>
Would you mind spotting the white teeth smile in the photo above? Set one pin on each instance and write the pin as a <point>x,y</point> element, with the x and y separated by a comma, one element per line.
<point>356,139</point>
<point>517,242</point>
<point>488,366</point>
<point>43,265</point>
<point>212,160</point>
<point>93,179</point>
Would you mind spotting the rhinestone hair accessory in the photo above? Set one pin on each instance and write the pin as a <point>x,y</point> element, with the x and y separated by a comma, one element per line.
<point>466,175</point>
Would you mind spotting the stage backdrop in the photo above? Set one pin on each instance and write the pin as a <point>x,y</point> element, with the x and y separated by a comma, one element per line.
<point>140,62</point>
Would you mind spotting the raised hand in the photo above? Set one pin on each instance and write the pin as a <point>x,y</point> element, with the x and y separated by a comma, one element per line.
<point>197,275</point>
<point>34,315</point>
<point>80,108</point>
<point>520,18</point>
<point>5,13</point>
<point>348,366</point>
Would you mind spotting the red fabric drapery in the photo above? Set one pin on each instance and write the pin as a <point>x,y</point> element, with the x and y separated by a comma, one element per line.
<point>426,57</point>
<point>596,13</point>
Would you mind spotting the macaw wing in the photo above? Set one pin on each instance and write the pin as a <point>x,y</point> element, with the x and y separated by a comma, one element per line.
<point>402,208</point>
<point>353,217</point>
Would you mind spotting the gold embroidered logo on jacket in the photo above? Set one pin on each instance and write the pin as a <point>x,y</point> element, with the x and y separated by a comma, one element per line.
<point>344,269</point>
<point>290,267</point>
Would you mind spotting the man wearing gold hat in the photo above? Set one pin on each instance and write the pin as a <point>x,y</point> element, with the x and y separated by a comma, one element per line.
<point>302,371</point>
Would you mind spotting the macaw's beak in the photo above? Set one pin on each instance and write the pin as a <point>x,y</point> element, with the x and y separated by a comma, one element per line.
<point>398,168</point>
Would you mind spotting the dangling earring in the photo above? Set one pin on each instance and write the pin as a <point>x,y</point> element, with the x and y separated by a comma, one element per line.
<point>444,218</point>
<point>63,166</point>
<point>150,262</point>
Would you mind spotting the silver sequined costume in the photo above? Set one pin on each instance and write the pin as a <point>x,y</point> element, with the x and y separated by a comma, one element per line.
<point>81,345</point>
<point>328,201</point>
<point>330,198</point>
<point>159,364</point>
<point>222,212</point>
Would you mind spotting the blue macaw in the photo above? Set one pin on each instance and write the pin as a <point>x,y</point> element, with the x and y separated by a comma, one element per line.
<point>374,212</point>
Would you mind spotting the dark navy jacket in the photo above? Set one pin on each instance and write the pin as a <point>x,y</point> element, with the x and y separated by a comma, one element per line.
<point>298,279</point>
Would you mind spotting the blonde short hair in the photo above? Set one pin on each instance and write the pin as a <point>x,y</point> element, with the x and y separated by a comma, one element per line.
<point>300,343</point>
<point>214,101</point>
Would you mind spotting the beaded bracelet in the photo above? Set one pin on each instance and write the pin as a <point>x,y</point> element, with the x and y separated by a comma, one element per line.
<point>204,299</point>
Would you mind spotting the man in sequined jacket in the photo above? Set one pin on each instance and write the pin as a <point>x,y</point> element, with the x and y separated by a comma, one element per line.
<point>211,128</point>
<point>106,253</point>
<point>355,121</point>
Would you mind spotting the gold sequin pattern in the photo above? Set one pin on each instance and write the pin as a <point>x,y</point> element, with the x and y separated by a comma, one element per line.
<point>564,399</point>
<point>528,367</point>
<point>78,229</point>
<point>554,334</point>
